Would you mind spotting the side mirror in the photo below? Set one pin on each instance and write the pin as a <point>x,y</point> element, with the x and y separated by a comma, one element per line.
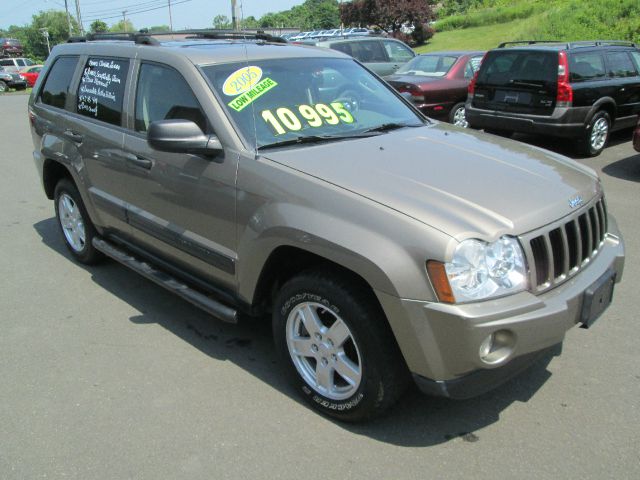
<point>182,136</point>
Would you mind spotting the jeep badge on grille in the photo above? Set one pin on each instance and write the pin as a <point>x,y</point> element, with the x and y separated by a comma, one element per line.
<point>576,201</point>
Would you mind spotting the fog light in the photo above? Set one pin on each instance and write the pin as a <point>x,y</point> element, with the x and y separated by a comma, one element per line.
<point>497,347</point>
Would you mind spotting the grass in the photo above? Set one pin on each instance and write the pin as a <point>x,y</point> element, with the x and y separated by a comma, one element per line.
<point>476,38</point>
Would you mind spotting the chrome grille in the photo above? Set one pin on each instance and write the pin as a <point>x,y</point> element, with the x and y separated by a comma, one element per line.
<point>562,249</point>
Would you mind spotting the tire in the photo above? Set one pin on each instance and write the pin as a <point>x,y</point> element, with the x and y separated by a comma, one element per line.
<point>75,224</point>
<point>337,347</point>
<point>499,132</point>
<point>3,87</point>
<point>457,116</point>
<point>597,135</point>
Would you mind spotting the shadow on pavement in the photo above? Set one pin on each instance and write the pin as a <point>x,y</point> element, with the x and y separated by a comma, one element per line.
<point>626,169</point>
<point>416,420</point>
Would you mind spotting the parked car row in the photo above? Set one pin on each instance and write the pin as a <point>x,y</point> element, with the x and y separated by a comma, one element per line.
<point>326,34</point>
<point>11,80</point>
<point>581,91</point>
<point>18,73</point>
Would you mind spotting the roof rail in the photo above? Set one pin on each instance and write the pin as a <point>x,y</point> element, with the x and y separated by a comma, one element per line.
<point>144,37</point>
<point>528,42</point>
<point>578,44</point>
<point>599,43</point>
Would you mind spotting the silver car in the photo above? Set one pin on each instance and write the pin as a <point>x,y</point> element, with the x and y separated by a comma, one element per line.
<point>255,178</point>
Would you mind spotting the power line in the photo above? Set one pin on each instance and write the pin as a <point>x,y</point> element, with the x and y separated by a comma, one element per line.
<point>136,12</point>
<point>119,9</point>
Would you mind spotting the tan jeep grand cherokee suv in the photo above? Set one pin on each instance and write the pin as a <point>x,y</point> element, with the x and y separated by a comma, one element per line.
<point>249,176</point>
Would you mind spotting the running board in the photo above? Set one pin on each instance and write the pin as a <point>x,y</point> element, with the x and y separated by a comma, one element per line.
<point>209,305</point>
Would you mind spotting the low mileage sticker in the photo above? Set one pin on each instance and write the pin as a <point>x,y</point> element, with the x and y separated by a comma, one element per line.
<point>241,101</point>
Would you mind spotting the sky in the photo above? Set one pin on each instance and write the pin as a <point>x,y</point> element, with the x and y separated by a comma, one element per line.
<point>185,13</point>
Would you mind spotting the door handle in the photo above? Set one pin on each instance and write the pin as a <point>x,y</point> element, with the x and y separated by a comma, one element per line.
<point>138,161</point>
<point>73,136</point>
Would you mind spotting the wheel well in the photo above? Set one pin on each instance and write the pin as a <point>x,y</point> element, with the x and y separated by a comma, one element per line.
<point>52,172</point>
<point>610,108</point>
<point>286,262</point>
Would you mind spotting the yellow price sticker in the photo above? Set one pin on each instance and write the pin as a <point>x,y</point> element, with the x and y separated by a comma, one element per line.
<point>285,119</point>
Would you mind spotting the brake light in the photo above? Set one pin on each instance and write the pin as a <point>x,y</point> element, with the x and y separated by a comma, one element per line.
<point>471,88</point>
<point>472,85</point>
<point>414,91</point>
<point>564,97</point>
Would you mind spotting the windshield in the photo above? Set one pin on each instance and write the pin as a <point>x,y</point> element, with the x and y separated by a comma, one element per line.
<point>273,101</point>
<point>428,65</point>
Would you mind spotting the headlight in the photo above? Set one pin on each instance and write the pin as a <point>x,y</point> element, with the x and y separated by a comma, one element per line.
<point>481,270</point>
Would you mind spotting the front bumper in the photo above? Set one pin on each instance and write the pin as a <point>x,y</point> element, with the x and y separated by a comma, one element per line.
<point>441,342</point>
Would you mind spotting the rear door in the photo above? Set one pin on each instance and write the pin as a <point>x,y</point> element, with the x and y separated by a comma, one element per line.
<point>95,127</point>
<point>626,80</point>
<point>519,81</point>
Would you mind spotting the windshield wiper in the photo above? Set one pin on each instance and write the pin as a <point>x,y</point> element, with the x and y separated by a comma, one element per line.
<point>385,127</point>
<point>314,139</point>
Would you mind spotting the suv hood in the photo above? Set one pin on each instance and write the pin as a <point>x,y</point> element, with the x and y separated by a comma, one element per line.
<point>462,182</point>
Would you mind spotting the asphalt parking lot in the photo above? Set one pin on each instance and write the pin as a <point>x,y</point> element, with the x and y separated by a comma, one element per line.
<point>103,375</point>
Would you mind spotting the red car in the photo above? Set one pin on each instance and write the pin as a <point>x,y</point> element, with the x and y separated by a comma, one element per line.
<point>437,83</point>
<point>636,137</point>
<point>30,74</point>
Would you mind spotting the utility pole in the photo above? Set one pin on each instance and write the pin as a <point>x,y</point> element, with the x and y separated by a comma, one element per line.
<point>170,19</point>
<point>66,8</point>
<point>45,34</point>
<point>124,19</point>
<point>234,19</point>
<point>79,17</point>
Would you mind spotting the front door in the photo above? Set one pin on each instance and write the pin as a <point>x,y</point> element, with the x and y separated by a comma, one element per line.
<point>181,206</point>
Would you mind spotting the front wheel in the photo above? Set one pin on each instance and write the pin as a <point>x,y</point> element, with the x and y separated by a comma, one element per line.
<point>597,134</point>
<point>458,116</point>
<point>337,347</point>
<point>3,87</point>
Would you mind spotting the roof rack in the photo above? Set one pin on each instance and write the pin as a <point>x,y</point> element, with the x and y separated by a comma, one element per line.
<point>527,42</point>
<point>599,43</point>
<point>144,37</point>
<point>578,44</point>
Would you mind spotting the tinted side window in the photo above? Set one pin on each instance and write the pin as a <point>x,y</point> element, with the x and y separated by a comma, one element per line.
<point>56,87</point>
<point>6,63</point>
<point>620,65</point>
<point>101,89</point>
<point>636,59</point>
<point>369,51</point>
<point>472,66</point>
<point>586,66</point>
<point>398,52</point>
<point>163,94</point>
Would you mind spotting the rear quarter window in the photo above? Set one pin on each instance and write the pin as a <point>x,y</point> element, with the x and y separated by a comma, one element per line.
<point>56,87</point>
<point>586,66</point>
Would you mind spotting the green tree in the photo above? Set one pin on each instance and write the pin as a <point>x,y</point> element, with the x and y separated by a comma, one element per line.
<point>123,26</point>
<point>221,22</point>
<point>98,26</point>
<point>159,28</point>
<point>32,36</point>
